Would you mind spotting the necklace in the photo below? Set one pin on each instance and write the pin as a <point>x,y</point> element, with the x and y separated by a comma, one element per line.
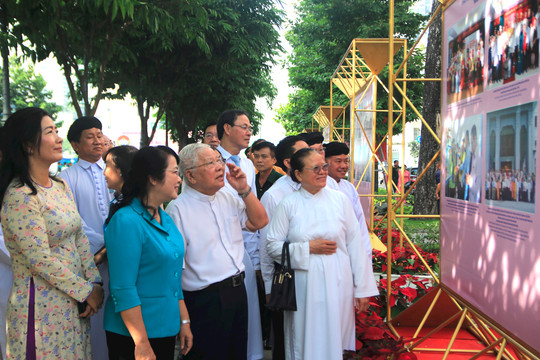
<point>43,186</point>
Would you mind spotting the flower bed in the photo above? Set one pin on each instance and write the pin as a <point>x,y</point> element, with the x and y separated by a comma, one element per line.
<point>374,340</point>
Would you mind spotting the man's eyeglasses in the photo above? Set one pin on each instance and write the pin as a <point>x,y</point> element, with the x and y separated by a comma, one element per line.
<point>210,136</point>
<point>246,128</point>
<point>318,169</point>
<point>218,162</point>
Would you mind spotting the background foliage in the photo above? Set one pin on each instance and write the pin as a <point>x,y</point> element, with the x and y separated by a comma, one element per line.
<point>320,37</point>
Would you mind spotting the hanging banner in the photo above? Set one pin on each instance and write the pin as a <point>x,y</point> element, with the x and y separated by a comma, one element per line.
<point>362,139</point>
<point>490,254</point>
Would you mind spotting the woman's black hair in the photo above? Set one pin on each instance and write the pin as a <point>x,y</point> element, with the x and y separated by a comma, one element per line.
<point>297,161</point>
<point>148,162</point>
<point>20,135</point>
<point>122,157</point>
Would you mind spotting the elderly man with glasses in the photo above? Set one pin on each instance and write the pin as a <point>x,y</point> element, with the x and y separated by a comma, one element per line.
<point>211,221</point>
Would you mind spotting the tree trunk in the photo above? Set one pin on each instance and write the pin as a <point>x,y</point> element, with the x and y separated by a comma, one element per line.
<point>425,201</point>
<point>6,111</point>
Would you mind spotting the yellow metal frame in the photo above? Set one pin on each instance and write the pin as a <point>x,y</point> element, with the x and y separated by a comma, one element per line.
<point>359,67</point>
<point>322,117</point>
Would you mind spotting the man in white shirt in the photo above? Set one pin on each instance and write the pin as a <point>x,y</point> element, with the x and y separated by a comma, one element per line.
<point>92,198</point>
<point>270,200</point>
<point>234,131</point>
<point>337,157</point>
<point>211,220</point>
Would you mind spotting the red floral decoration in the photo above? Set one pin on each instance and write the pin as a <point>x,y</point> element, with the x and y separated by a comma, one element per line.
<point>375,341</point>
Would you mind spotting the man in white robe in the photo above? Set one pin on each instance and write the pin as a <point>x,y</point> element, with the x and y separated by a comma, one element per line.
<point>92,197</point>
<point>234,132</point>
<point>270,200</point>
<point>337,157</point>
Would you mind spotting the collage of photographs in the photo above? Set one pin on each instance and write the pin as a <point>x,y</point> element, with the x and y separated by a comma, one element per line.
<point>495,46</point>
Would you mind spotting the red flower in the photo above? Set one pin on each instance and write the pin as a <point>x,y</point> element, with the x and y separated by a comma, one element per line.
<point>374,333</point>
<point>410,293</point>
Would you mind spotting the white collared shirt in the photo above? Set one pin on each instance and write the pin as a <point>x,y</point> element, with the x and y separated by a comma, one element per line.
<point>212,230</point>
<point>92,197</point>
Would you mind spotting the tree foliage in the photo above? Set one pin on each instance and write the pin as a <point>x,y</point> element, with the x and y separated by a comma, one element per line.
<point>320,37</point>
<point>183,60</point>
<point>85,35</point>
<point>243,41</point>
<point>28,89</point>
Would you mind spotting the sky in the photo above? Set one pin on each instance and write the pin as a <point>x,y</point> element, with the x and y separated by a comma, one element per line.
<point>107,111</point>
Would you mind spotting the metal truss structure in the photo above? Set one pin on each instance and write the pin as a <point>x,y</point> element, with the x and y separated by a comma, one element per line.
<point>441,308</point>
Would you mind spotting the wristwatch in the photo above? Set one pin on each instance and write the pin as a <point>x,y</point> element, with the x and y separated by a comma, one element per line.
<point>245,193</point>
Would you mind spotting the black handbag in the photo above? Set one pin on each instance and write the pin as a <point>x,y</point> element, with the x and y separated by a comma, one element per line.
<point>283,293</point>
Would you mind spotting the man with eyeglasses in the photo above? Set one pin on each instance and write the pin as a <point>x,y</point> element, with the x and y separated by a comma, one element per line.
<point>210,135</point>
<point>234,131</point>
<point>211,222</point>
<point>337,157</point>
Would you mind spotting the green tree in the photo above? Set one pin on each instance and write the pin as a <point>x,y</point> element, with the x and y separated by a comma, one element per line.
<point>243,42</point>
<point>415,148</point>
<point>319,38</point>
<point>192,82</point>
<point>28,88</point>
<point>151,66</point>
<point>85,35</point>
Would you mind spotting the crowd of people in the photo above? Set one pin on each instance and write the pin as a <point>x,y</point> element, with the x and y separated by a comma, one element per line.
<point>464,167</point>
<point>129,252</point>
<point>513,46</point>
<point>515,185</point>
<point>466,67</point>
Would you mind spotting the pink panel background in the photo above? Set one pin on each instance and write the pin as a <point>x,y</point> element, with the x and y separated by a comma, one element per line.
<point>489,251</point>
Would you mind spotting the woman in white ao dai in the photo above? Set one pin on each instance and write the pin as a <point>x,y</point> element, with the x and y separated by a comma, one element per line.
<point>333,270</point>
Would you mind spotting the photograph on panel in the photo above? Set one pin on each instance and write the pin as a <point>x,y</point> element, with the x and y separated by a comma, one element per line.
<point>511,157</point>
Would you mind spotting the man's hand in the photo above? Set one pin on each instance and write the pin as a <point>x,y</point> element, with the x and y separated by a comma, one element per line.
<point>236,178</point>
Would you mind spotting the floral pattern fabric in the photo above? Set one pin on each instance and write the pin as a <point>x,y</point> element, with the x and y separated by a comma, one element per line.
<point>47,244</point>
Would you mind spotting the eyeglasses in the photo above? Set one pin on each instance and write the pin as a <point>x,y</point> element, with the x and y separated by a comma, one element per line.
<point>246,128</point>
<point>318,169</point>
<point>210,136</point>
<point>218,162</point>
